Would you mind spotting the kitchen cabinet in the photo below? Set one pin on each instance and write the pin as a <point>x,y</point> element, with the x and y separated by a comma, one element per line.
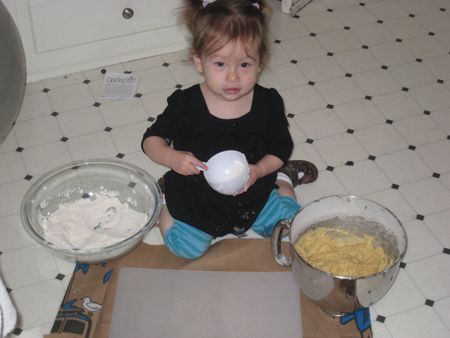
<point>65,36</point>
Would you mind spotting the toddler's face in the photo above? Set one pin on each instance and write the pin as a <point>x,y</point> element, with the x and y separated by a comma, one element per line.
<point>230,72</point>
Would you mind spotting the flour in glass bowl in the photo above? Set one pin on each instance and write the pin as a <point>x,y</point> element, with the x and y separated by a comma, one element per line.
<point>92,223</point>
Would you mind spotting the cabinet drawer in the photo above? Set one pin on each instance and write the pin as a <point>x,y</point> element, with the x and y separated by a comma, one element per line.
<point>59,24</point>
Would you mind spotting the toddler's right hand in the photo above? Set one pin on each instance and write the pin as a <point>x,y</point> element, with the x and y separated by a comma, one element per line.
<point>185,163</point>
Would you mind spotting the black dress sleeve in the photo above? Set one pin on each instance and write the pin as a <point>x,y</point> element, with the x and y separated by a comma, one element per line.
<point>277,137</point>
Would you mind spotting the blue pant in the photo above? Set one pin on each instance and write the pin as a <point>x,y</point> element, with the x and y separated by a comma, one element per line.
<point>189,242</point>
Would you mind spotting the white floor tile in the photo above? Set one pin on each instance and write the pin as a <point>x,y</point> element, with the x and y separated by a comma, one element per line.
<point>321,68</point>
<point>359,114</point>
<point>417,323</point>
<point>95,145</point>
<point>71,97</point>
<point>35,105</point>
<point>432,97</point>
<point>439,66</point>
<point>26,266</point>
<point>421,241</point>
<point>38,303</point>
<point>11,195</point>
<point>438,224</point>
<point>442,118</point>
<point>338,149</point>
<point>372,34</point>
<point>9,143</point>
<point>405,28</point>
<point>397,105</point>
<point>287,28</point>
<point>303,48</point>
<point>390,54</point>
<point>98,73</point>
<point>380,331</point>
<point>128,138</point>
<point>63,81</point>
<point>302,99</point>
<point>380,139</point>
<point>376,82</point>
<point>156,102</point>
<point>357,61</point>
<point>418,6</point>
<point>338,41</point>
<point>424,47</point>
<point>437,266</point>
<point>284,76</point>
<point>141,64</point>
<point>402,295</point>
<point>319,123</point>
<point>442,307</point>
<point>42,158</point>
<point>119,113</point>
<point>340,90</point>
<point>386,10</point>
<point>403,166</point>
<point>419,130</point>
<point>11,167</point>
<point>278,55</point>
<point>185,73</point>
<point>34,87</point>
<point>435,21</point>
<point>13,233</point>
<point>427,196</point>
<point>363,177</point>
<point>81,121</point>
<point>395,202</point>
<point>321,22</point>
<point>37,131</point>
<point>142,161</point>
<point>444,38</point>
<point>436,156</point>
<point>155,79</point>
<point>354,16</point>
<point>412,74</point>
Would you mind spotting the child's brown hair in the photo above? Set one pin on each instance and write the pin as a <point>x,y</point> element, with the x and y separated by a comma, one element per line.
<point>214,23</point>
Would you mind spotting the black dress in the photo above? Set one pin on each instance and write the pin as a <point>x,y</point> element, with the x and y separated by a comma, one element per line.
<point>187,124</point>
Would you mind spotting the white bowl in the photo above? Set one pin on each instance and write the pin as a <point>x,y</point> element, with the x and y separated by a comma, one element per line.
<point>228,171</point>
<point>82,180</point>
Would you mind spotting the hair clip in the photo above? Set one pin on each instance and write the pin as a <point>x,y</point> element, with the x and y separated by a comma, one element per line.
<point>256,4</point>
<point>206,2</point>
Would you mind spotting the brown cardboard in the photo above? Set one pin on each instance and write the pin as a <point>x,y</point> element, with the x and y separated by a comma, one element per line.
<point>227,255</point>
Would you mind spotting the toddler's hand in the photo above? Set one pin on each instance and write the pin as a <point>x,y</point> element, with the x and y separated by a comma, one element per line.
<point>185,163</point>
<point>255,173</point>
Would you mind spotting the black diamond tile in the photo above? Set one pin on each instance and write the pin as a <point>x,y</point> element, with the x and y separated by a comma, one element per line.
<point>120,155</point>
<point>350,131</point>
<point>405,89</point>
<point>330,54</point>
<point>277,41</point>
<point>384,67</point>
<point>86,195</point>
<point>64,139</point>
<point>330,168</point>
<point>379,21</point>
<point>418,60</point>
<point>127,72</point>
<point>294,61</point>
<point>97,104</point>
<point>411,147</point>
<point>28,177</point>
<point>330,106</point>
<point>349,163</point>
<point>430,33</point>
<point>179,86</point>
<point>365,47</point>
<point>151,119</point>
<point>17,331</point>
<point>436,175</point>
<point>440,81</point>
<point>446,251</point>
<point>442,9</point>
<point>108,129</point>
<point>429,302</point>
<point>75,167</point>
<point>290,115</point>
<point>362,4</point>
<point>19,149</point>
<point>389,121</point>
<point>60,276</point>
<point>347,28</point>
<point>402,265</point>
<point>165,64</point>
<point>86,81</point>
<point>296,16</point>
<point>372,158</point>
<point>398,40</point>
<point>380,318</point>
<point>348,75</point>
<point>395,186</point>
<point>311,83</point>
<point>132,184</point>
<point>54,113</point>
<point>420,217</point>
<point>312,34</point>
<point>138,95</point>
<point>103,71</point>
<point>368,97</point>
<point>448,137</point>
<point>8,289</point>
<point>411,15</point>
<point>45,90</point>
<point>426,112</point>
<point>329,10</point>
<point>310,141</point>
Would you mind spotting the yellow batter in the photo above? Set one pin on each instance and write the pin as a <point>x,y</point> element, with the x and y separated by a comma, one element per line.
<point>343,253</point>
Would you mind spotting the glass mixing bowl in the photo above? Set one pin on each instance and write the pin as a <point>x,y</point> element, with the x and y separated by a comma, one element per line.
<point>83,179</point>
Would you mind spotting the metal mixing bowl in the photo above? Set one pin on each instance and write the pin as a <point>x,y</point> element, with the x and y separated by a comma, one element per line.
<point>77,180</point>
<point>340,294</point>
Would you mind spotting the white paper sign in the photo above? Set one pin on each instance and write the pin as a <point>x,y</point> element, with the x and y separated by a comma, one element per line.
<point>119,85</point>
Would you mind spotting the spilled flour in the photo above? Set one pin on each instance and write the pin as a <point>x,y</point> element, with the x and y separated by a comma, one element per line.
<point>89,223</point>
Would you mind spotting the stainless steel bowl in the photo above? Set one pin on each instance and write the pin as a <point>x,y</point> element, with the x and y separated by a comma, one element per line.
<point>336,294</point>
<point>75,180</point>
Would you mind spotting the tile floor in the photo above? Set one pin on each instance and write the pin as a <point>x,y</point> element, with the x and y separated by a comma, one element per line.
<point>366,85</point>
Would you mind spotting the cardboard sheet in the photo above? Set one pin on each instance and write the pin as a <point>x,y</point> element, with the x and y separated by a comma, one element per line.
<point>227,255</point>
